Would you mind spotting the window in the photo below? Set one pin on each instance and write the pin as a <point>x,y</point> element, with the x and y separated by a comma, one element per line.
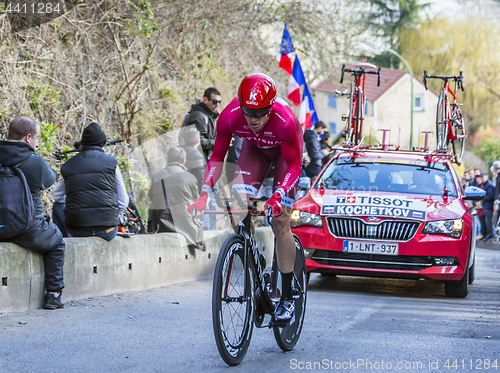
<point>418,105</point>
<point>368,109</point>
<point>333,128</point>
<point>332,101</point>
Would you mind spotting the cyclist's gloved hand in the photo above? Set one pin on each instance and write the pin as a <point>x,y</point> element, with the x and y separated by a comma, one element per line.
<point>200,204</point>
<point>275,203</point>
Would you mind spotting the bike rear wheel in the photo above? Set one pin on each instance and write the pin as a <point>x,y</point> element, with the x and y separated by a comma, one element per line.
<point>441,123</point>
<point>232,302</point>
<point>458,145</point>
<point>349,128</point>
<point>287,336</point>
<point>359,114</point>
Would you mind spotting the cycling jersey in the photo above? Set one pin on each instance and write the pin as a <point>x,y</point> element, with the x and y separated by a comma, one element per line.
<point>281,140</point>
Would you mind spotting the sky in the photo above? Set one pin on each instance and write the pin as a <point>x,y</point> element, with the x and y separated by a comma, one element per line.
<point>489,8</point>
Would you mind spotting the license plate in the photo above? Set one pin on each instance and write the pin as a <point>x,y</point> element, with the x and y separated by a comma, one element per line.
<point>367,247</point>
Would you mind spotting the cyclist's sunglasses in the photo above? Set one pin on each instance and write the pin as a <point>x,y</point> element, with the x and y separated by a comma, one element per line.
<point>256,113</point>
<point>215,102</point>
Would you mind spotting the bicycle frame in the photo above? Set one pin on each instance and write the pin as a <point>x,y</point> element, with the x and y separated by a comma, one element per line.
<point>446,90</point>
<point>250,248</point>
<point>354,125</point>
<point>251,251</point>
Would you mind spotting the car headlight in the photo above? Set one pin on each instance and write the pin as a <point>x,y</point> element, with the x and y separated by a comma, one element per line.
<point>451,228</point>
<point>306,218</point>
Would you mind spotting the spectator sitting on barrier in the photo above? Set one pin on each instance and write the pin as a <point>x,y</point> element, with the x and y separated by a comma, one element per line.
<point>59,202</point>
<point>172,190</point>
<point>195,162</point>
<point>42,237</point>
<point>94,188</point>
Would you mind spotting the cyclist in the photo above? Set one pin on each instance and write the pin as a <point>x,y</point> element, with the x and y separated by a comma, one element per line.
<point>270,132</point>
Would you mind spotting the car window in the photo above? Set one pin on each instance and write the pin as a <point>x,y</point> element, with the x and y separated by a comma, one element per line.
<point>353,174</point>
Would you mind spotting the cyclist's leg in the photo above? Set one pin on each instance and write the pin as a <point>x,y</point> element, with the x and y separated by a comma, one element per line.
<point>285,247</point>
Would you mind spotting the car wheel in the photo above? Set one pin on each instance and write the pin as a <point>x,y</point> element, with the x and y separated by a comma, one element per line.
<point>327,274</point>
<point>471,273</point>
<point>308,275</point>
<point>458,289</point>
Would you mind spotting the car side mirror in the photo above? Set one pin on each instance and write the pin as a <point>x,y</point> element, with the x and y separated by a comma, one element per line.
<point>304,183</point>
<point>473,193</point>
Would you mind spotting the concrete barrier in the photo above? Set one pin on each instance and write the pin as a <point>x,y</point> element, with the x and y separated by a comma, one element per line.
<point>96,267</point>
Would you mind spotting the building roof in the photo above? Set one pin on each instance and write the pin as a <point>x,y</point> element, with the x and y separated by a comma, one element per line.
<point>388,77</point>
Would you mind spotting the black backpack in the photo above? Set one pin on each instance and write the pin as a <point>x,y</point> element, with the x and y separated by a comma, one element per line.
<point>17,211</point>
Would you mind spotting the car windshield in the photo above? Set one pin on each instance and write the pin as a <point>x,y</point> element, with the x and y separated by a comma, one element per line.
<point>419,178</point>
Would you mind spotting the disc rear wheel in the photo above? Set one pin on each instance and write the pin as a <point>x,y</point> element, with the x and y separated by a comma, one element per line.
<point>287,336</point>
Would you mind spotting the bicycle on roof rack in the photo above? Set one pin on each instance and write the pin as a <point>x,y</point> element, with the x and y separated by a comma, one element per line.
<point>244,292</point>
<point>354,119</point>
<point>450,127</point>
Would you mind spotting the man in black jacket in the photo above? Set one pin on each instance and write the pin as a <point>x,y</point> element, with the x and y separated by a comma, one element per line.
<point>204,115</point>
<point>495,170</point>
<point>43,237</point>
<point>94,187</point>
<point>313,146</point>
<point>487,203</point>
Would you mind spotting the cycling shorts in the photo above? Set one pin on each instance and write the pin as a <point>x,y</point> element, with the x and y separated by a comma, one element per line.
<point>253,166</point>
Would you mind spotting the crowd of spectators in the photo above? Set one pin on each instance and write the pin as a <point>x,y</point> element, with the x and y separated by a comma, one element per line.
<point>90,194</point>
<point>487,209</point>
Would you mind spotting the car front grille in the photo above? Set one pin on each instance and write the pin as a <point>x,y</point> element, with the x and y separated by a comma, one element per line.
<point>372,261</point>
<point>389,230</point>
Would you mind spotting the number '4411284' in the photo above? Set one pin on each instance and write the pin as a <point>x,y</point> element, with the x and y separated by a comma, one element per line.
<point>33,8</point>
<point>475,364</point>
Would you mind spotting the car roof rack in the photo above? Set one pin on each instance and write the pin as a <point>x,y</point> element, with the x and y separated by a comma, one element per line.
<point>384,147</point>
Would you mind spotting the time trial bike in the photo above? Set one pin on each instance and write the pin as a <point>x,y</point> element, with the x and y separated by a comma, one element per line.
<point>245,293</point>
<point>450,127</point>
<point>357,98</point>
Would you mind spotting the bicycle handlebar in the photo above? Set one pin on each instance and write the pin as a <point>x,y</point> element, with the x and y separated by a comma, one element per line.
<point>223,203</point>
<point>459,79</point>
<point>60,155</point>
<point>359,72</point>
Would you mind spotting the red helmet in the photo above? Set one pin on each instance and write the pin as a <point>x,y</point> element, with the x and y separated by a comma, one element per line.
<point>256,95</point>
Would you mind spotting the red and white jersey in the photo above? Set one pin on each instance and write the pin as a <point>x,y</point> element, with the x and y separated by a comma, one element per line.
<point>282,129</point>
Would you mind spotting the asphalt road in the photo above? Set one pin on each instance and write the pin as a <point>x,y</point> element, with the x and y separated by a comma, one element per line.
<point>352,324</point>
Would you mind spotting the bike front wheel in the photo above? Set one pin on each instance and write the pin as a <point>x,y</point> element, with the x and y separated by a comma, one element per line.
<point>349,132</point>
<point>232,301</point>
<point>458,144</point>
<point>287,336</point>
<point>441,123</point>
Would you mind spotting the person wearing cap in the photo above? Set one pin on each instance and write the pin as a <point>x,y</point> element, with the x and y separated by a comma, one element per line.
<point>313,146</point>
<point>94,188</point>
<point>484,183</point>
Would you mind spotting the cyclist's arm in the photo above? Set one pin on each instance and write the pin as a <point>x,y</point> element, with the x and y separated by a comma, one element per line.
<point>216,163</point>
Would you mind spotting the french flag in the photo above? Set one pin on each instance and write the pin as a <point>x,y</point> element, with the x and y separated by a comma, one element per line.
<point>296,80</point>
<point>307,114</point>
<point>286,47</point>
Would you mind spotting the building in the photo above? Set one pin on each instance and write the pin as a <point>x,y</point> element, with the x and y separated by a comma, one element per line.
<point>387,107</point>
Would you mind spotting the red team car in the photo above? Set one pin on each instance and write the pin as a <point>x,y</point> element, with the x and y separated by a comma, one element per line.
<point>389,214</point>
